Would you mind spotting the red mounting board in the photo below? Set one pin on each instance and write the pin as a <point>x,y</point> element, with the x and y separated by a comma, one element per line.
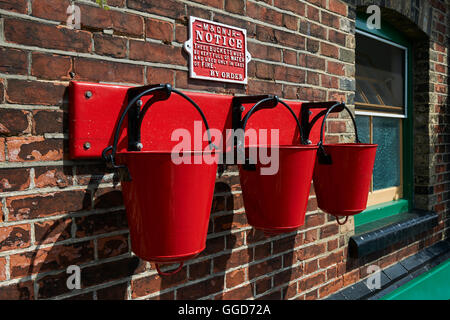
<point>95,110</point>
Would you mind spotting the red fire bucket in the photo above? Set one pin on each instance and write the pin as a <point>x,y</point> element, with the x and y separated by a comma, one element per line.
<point>168,205</point>
<point>167,195</point>
<point>276,203</point>
<point>343,173</point>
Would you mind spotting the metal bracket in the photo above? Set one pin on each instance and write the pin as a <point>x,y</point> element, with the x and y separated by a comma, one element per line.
<point>135,114</point>
<point>307,124</point>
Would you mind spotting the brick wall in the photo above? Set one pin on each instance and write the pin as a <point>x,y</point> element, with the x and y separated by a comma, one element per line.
<point>57,212</point>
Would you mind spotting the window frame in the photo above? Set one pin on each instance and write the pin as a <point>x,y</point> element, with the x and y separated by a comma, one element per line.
<point>392,36</point>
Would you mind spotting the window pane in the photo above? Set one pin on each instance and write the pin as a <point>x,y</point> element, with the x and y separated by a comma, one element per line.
<point>363,124</point>
<point>380,69</point>
<point>386,133</point>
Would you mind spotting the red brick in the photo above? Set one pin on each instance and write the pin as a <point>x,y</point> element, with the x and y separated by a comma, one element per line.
<point>45,121</point>
<point>311,266</point>
<point>181,33</point>
<point>230,260</point>
<point>312,13</point>
<point>156,52</point>
<point>109,271</point>
<point>240,293</point>
<point>101,223</point>
<point>13,61</point>
<point>52,177</point>
<point>311,236</point>
<point>312,281</point>
<point>292,40</point>
<point>290,74</point>
<point>46,36</point>
<point>290,22</point>
<point>151,284</point>
<point>117,292</point>
<point>287,276</point>
<point>199,270</point>
<point>112,246</point>
<point>14,179</point>
<point>51,259</point>
<point>2,269</point>
<point>329,50</point>
<point>109,45</point>
<point>17,291</point>
<point>15,237</point>
<point>351,277</point>
<point>284,244</point>
<point>2,150</point>
<point>13,122</point>
<point>52,285</point>
<point>262,251</point>
<point>336,37</point>
<point>311,251</point>
<point>34,149</point>
<point>329,231</point>
<point>235,6</point>
<point>330,288</point>
<point>332,258</point>
<point>159,29</point>
<point>338,6</point>
<point>235,278</point>
<point>53,230</point>
<point>48,66</point>
<point>167,8</point>
<point>313,78</point>
<point>122,23</point>
<point>50,9</point>
<point>314,220</point>
<point>336,68</point>
<point>201,289</point>
<point>264,267</point>
<point>19,6</point>
<point>290,57</point>
<point>34,92</point>
<point>256,87</point>
<point>289,5</point>
<point>330,20</point>
<point>264,70</point>
<point>329,81</point>
<point>107,198</point>
<point>99,70</point>
<point>43,205</point>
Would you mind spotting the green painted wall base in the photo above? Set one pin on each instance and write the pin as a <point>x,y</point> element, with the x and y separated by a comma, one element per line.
<point>432,285</point>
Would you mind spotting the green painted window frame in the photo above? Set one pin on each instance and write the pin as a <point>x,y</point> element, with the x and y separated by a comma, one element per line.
<point>391,208</point>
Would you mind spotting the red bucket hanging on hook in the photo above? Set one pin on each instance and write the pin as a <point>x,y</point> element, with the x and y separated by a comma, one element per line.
<point>276,203</point>
<point>343,173</point>
<point>167,196</point>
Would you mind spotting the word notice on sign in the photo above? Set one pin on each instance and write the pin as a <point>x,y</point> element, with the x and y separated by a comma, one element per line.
<point>217,52</point>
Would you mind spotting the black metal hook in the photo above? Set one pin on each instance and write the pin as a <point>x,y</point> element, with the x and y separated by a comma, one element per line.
<point>135,94</point>
<point>323,157</point>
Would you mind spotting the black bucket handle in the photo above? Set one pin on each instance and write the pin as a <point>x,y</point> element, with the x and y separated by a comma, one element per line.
<point>252,167</point>
<point>323,157</point>
<point>109,153</point>
<point>276,100</point>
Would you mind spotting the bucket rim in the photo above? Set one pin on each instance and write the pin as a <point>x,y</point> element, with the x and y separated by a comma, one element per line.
<point>351,145</point>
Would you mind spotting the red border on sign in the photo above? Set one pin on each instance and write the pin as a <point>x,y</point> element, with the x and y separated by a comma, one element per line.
<point>217,51</point>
